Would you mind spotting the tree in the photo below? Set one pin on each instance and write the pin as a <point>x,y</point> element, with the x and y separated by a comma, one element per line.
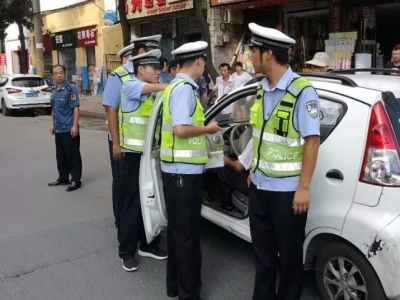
<point>21,13</point>
<point>206,35</point>
<point>126,28</point>
<point>4,23</point>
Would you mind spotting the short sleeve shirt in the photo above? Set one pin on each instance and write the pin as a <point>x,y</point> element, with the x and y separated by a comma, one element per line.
<point>305,121</point>
<point>63,100</point>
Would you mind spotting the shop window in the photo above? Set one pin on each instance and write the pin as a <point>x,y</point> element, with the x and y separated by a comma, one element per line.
<point>68,59</point>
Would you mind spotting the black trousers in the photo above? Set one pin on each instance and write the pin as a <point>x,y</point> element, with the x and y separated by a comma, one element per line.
<point>68,155</point>
<point>183,199</point>
<point>114,191</point>
<point>275,228</point>
<point>130,226</point>
<point>229,180</point>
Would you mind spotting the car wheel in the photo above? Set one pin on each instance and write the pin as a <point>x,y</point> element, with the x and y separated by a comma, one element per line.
<point>4,109</point>
<point>48,111</point>
<point>343,273</point>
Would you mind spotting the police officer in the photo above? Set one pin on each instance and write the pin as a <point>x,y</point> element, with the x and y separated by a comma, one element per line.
<point>285,148</point>
<point>65,103</point>
<point>183,156</point>
<point>111,101</point>
<point>136,104</point>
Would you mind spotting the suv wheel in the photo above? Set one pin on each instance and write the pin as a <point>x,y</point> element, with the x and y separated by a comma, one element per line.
<point>4,109</point>
<point>342,272</point>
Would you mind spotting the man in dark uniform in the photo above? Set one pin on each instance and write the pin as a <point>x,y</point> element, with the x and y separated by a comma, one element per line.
<point>65,103</point>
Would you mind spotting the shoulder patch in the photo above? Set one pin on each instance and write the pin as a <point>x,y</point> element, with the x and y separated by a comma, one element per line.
<point>204,85</point>
<point>73,97</point>
<point>312,108</point>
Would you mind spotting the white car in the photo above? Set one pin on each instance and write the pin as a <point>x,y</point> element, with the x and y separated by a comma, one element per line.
<point>353,229</point>
<point>22,92</point>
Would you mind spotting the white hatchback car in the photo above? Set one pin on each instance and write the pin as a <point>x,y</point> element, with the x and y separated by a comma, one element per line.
<point>353,229</point>
<point>22,92</point>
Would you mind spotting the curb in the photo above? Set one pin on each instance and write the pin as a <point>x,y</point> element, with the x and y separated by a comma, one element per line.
<point>93,114</point>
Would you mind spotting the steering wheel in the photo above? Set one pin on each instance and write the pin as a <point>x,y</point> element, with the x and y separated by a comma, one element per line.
<point>240,143</point>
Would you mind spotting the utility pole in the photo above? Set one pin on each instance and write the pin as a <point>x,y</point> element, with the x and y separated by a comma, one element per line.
<point>38,37</point>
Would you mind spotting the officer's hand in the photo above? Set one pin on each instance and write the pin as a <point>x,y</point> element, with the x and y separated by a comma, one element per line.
<point>117,151</point>
<point>213,127</point>
<point>249,180</point>
<point>74,131</point>
<point>301,200</point>
<point>51,130</point>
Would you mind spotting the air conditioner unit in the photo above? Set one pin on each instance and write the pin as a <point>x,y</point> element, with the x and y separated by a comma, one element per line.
<point>233,17</point>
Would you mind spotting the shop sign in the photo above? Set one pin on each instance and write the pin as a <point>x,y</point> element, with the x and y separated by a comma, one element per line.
<point>224,2</point>
<point>86,36</point>
<point>353,16</point>
<point>337,16</point>
<point>3,60</point>
<point>368,13</point>
<point>136,9</point>
<point>64,40</point>
<point>47,42</point>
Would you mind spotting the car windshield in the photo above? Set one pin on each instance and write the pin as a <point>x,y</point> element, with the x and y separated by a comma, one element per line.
<point>28,82</point>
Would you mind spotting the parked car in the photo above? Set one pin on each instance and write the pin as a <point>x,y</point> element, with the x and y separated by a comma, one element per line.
<point>353,229</point>
<point>23,92</point>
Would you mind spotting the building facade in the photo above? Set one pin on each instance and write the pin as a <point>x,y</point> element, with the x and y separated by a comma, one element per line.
<point>12,56</point>
<point>78,38</point>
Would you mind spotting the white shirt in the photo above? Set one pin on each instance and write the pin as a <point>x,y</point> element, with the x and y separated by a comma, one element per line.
<point>242,79</point>
<point>223,89</point>
<point>246,158</point>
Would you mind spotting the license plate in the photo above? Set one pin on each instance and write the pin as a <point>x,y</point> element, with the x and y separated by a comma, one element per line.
<point>31,95</point>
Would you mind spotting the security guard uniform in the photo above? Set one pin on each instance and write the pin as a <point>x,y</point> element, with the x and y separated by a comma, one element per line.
<point>63,101</point>
<point>282,117</point>
<point>182,165</point>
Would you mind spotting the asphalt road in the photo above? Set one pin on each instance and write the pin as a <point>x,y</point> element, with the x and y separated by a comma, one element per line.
<point>56,245</point>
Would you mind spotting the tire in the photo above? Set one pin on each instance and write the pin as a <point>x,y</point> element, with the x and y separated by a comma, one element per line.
<point>47,111</point>
<point>6,112</point>
<point>341,253</point>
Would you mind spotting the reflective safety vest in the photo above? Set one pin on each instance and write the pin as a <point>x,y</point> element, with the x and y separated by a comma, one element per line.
<point>133,124</point>
<point>182,150</point>
<point>123,75</point>
<point>277,144</point>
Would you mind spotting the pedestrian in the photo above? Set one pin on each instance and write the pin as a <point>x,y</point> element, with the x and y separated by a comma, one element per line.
<point>320,62</point>
<point>111,103</point>
<point>241,77</point>
<point>65,104</point>
<point>183,155</point>
<point>394,63</point>
<point>137,100</point>
<point>225,84</point>
<point>286,131</point>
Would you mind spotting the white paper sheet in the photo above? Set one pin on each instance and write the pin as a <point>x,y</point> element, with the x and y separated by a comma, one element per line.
<point>216,160</point>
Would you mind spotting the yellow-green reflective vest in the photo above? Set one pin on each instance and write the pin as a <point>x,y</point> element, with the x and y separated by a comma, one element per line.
<point>123,75</point>
<point>277,144</point>
<point>133,124</point>
<point>183,150</point>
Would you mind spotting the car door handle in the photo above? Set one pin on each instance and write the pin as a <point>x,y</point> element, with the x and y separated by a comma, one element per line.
<point>335,174</point>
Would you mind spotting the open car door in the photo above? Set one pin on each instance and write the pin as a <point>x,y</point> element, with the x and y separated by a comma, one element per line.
<point>150,179</point>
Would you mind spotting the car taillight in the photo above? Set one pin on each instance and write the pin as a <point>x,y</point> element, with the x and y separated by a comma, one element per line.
<point>381,164</point>
<point>13,91</point>
<point>47,89</point>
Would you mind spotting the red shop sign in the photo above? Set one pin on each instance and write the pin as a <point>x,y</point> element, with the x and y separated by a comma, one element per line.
<point>86,36</point>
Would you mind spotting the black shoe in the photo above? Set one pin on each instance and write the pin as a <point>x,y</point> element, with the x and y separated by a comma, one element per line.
<point>130,264</point>
<point>153,252</point>
<point>73,186</point>
<point>172,294</point>
<point>59,182</point>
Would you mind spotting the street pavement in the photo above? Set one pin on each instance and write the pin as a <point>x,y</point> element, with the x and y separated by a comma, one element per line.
<point>56,245</point>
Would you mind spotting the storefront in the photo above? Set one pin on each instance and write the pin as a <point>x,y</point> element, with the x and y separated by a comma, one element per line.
<point>173,19</point>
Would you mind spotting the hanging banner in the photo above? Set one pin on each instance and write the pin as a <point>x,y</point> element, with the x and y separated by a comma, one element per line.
<point>3,60</point>
<point>136,9</point>
<point>336,16</point>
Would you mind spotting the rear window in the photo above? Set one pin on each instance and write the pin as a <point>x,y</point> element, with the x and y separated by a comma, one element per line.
<point>27,82</point>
